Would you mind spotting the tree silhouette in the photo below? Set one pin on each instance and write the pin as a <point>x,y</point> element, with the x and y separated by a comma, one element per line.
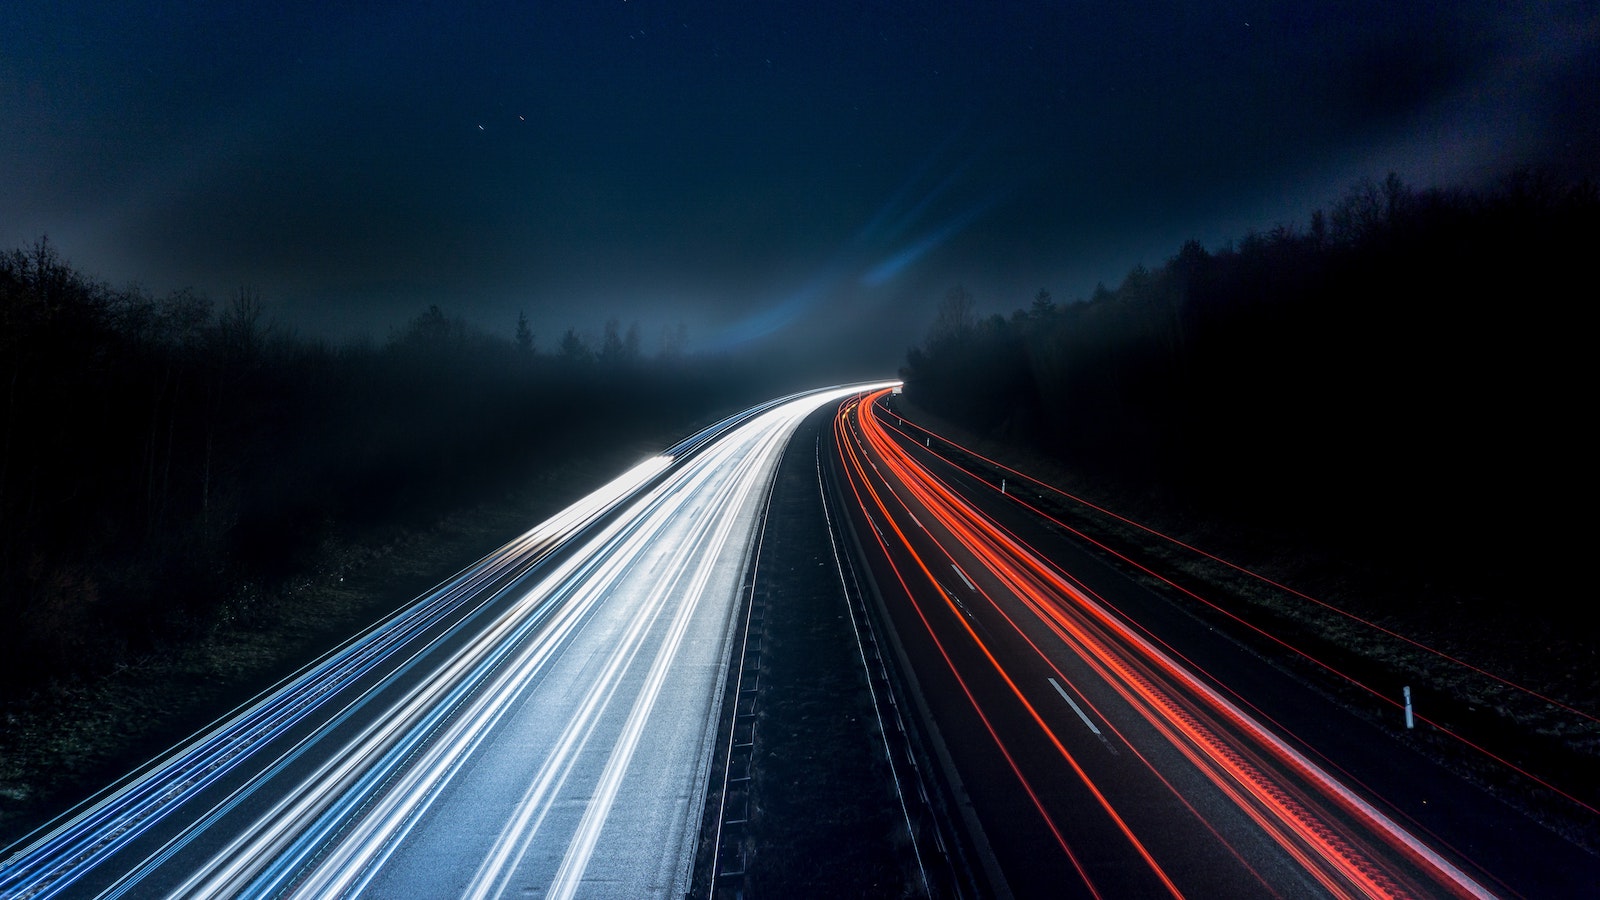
<point>524,335</point>
<point>573,347</point>
<point>1372,361</point>
<point>157,453</point>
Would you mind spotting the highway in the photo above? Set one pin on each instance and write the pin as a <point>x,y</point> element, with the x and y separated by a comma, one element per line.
<point>1100,742</point>
<point>549,721</point>
<point>542,722</point>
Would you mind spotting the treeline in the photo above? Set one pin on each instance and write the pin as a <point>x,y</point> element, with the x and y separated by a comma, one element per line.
<point>157,452</point>
<point>1406,375</point>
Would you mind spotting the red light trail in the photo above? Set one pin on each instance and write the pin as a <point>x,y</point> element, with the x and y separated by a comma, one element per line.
<point>1024,615</point>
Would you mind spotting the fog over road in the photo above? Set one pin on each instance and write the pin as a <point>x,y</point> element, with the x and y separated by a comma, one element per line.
<point>542,721</point>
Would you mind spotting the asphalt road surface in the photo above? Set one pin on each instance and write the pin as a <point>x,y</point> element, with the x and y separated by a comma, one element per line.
<point>889,677</point>
<point>541,723</point>
<point>1103,742</point>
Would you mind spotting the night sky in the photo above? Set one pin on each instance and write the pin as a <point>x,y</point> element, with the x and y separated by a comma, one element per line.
<point>817,173</point>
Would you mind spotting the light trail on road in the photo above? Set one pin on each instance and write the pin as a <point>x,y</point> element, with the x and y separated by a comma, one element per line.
<point>1197,795</point>
<point>543,721</point>
<point>1428,654</point>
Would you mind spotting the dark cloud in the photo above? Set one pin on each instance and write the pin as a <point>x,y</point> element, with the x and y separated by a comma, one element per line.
<point>753,171</point>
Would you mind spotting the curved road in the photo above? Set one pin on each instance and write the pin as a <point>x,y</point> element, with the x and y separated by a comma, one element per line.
<point>542,722</point>
<point>1105,744</point>
<point>545,723</point>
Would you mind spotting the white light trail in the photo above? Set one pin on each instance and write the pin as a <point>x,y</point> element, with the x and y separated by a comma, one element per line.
<point>545,666</point>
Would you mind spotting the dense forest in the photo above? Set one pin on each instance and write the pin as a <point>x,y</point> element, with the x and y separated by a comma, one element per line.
<point>1403,378</point>
<point>158,453</point>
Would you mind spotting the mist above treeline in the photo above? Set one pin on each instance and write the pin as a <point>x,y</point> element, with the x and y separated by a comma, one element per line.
<point>1403,378</point>
<point>1400,375</point>
<point>160,452</point>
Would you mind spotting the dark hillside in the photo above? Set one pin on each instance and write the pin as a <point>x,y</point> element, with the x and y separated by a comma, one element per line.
<point>193,504</point>
<point>1400,381</point>
<point>161,457</point>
